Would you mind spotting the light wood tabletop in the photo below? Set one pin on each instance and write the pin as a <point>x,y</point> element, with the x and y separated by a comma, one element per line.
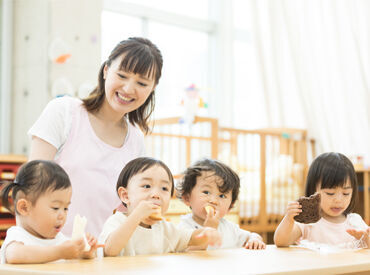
<point>273,260</point>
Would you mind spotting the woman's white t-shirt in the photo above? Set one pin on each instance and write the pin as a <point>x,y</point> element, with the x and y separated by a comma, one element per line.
<point>92,165</point>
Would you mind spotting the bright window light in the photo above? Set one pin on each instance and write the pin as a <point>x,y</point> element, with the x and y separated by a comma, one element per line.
<point>115,28</point>
<point>185,63</point>
<point>193,8</point>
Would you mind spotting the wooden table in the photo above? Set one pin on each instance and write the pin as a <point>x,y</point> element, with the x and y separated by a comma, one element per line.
<point>273,260</point>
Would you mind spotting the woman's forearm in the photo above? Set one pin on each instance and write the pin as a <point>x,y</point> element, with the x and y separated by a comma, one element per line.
<point>40,149</point>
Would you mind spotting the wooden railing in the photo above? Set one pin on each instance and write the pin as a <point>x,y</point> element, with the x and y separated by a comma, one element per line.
<point>272,163</point>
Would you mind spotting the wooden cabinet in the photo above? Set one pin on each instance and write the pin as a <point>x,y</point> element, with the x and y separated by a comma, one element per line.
<point>363,207</point>
<point>9,165</point>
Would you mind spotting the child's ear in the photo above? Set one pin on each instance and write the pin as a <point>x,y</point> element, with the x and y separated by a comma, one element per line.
<point>23,207</point>
<point>123,195</point>
<point>186,199</point>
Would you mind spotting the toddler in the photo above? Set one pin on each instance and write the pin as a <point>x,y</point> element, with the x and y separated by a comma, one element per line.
<point>145,186</point>
<point>213,186</point>
<point>41,194</point>
<point>333,176</point>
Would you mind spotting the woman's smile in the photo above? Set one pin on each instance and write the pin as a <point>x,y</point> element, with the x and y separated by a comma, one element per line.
<point>122,99</point>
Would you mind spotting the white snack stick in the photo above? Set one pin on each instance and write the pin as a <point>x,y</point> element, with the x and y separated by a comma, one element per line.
<point>78,232</point>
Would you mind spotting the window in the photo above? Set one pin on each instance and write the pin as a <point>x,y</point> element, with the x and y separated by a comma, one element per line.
<point>117,27</point>
<point>182,40</point>
<point>185,62</point>
<point>194,8</point>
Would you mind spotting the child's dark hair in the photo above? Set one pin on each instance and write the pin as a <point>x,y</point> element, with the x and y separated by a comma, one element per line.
<point>140,165</point>
<point>141,57</point>
<point>33,179</point>
<point>332,170</point>
<point>230,180</point>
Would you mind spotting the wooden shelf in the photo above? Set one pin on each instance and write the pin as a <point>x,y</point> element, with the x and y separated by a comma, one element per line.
<point>13,159</point>
<point>9,165</point>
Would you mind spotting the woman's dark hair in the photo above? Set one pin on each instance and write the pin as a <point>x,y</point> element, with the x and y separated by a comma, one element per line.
<point>332,170</point>
<point>140,56</point>
<point>140,165</point>
<point>33,179</point>
<point>230,180</point>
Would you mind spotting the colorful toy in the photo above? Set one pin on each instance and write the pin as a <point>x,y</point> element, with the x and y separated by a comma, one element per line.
<point>192,102</point>
<point>59,51</point>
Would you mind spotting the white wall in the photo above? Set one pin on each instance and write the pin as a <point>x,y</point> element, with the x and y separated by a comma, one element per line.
<point>36,24</point>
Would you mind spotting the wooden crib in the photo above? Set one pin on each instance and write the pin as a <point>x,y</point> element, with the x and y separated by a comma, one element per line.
<point>271,163</point>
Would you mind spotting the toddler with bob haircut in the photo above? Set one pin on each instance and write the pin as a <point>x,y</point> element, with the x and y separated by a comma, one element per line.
<point>333,176</point>
<point>210,188</point>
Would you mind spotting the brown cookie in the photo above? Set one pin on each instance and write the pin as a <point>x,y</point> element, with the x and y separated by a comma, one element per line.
<point>310,209</point>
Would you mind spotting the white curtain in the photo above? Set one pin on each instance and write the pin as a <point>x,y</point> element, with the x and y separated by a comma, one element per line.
<point>314,60</point>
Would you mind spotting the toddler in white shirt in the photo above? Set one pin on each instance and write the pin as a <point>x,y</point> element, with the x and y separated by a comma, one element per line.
<point>145,187</point>
<point>41,194</point>
<point>210,188</point>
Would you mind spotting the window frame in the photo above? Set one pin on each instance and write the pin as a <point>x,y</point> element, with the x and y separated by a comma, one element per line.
<point>220,30</point>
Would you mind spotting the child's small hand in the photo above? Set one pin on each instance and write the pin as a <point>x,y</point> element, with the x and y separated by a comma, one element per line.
<point>72,249</point>
<point>255,243</point>
<point>93,242</point>
<point>358,234</point>
<point>212,218</point>
<point>293,209</point>
<point>145,209</point>
<point>210,236</point>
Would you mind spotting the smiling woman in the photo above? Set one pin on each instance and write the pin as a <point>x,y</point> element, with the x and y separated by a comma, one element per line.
<point>93,138</point>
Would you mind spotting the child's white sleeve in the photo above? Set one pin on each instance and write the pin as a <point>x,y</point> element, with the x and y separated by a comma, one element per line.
<point>110,225</point>
<point>12,235</point>
<point>241,235</point>
<point>178,238</point>
<point>54,123</point>
<point>187,223</point>
<point>355,221</point>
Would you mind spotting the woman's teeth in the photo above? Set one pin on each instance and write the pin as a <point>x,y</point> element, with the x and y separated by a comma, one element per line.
<point>123,97</point>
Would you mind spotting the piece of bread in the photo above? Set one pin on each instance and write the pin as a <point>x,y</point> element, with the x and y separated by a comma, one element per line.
<point>310,209</point>
<point>79,225</point>
<point>157,216</point>
<point>209,208</point>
